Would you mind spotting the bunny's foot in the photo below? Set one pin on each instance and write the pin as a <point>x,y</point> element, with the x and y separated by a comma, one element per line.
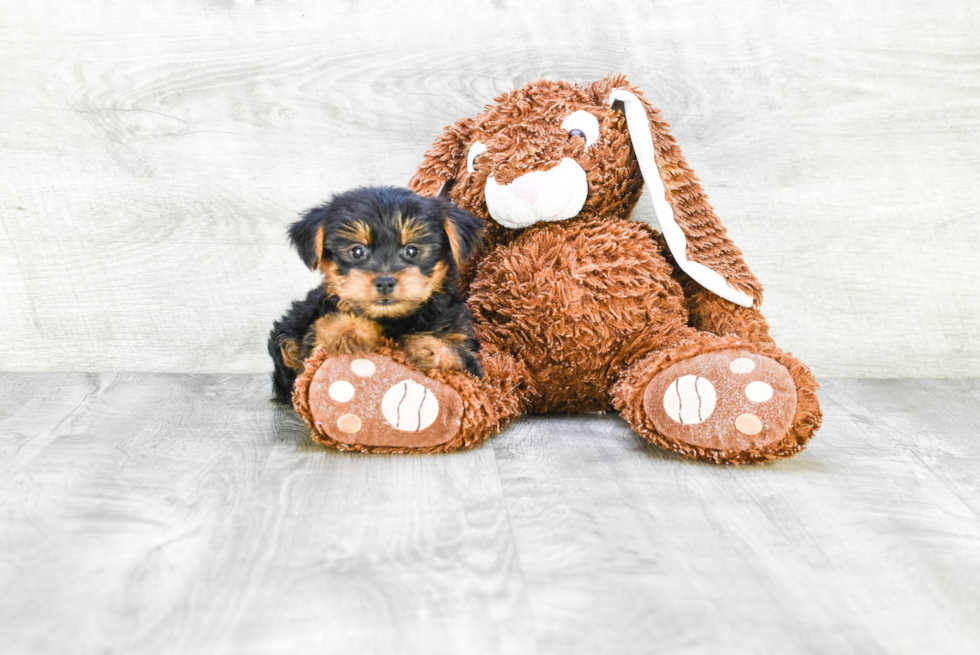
<point>376,403</point>
<point>728,405</point>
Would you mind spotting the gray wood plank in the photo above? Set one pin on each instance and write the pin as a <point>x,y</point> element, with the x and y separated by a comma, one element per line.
<point>165,513</point>
<point>32,409</point>
<point>865,543</point>
<point>346,553</point>
<point>105,532</point>
<point>188,514</point>
<point>153,154</point>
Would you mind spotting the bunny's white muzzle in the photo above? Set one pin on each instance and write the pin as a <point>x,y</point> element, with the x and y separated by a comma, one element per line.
<point>552,195</point>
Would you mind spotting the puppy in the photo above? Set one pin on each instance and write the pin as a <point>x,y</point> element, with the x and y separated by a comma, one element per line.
<point>390,259</point>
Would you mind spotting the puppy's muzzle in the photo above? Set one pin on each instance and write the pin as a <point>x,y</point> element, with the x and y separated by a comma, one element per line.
<point>552,195</point>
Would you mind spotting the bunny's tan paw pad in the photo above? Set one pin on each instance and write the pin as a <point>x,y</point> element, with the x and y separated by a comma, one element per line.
<point>370,400</point>
<point>724,400</point>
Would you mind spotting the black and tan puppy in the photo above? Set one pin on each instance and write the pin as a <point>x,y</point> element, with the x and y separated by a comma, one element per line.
<point>389,260</point>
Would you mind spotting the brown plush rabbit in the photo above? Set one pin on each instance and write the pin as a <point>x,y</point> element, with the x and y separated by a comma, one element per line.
<point>577,307</point>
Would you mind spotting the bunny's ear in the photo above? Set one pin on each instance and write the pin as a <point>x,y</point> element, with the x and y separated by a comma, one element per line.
<point>437,172</point>
<point>695,236</point>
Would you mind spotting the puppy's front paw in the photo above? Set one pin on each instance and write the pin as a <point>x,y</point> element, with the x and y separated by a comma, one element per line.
<point>344,334</point>
<point>426,352</point>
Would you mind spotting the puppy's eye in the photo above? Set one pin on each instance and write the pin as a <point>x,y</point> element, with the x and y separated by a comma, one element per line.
<point>476,150</point>
<point>583,124</point>
<point>411,252</point>
<point>358,252</point>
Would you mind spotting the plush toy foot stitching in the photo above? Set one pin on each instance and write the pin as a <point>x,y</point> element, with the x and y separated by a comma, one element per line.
<point>724,400</point>
<point>371,401</point>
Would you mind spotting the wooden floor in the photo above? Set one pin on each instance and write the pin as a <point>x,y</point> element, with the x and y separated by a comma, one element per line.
<point>186,514</point>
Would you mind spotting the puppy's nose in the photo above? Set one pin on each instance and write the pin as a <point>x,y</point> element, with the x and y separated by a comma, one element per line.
<point>385,284</point>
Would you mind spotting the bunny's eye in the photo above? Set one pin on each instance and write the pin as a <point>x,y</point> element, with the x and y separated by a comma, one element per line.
<point>582,124</point>
<point>475,151</point>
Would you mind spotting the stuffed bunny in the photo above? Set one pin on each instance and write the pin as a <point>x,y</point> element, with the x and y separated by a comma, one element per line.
<point>577,307</point>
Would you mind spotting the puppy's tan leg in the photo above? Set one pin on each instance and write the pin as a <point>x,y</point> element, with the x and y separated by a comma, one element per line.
<point>292,354</point>
<point>425,351</point>
<point>343,334</point>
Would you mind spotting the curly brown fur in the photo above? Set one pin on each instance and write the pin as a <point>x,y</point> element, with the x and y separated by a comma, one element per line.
<point>389,263</point>
<point>573,314</point>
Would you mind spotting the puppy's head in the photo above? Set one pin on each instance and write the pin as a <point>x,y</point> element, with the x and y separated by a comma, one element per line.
<point>385,251</point>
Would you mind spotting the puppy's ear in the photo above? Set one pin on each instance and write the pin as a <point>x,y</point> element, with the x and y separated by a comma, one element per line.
<point>307,233</point>
<point>463,230</point>
<point>439,166</point>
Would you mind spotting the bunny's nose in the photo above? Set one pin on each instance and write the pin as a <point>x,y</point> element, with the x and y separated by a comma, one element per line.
<point>528,187</point>
<point>385,284</point>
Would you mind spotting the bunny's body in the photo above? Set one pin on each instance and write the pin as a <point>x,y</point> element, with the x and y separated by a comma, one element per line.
<point>579,308</point>
<point>602,287</point>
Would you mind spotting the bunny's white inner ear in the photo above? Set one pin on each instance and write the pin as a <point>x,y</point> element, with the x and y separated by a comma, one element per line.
<point>639,127</point>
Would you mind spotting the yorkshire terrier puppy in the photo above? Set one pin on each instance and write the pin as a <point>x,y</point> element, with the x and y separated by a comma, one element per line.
<point>390,259</point>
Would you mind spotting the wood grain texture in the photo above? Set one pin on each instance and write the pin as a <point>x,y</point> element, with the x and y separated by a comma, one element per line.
<point>161,513</point>
<point>153,154</point>
<point>865,543</point>
<point>189,514</point>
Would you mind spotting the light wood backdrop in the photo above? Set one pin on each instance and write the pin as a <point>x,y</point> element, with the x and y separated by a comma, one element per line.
<point>152,155</point>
